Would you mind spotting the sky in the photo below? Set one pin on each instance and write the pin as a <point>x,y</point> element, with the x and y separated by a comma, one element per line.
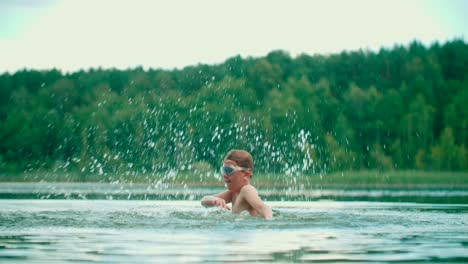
<point>70,35</point>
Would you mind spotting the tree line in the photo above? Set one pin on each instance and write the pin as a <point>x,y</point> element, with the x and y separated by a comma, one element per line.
<point>397,108</point>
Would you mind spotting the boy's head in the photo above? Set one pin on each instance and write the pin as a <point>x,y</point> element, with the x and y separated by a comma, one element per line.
<point>241,157</point>
<point>237,169</point>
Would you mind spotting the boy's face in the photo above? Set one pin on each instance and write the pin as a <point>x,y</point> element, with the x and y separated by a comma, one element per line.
<point>236,180</point>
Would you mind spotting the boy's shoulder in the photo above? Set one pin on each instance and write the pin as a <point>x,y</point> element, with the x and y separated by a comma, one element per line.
<point>248,188</point>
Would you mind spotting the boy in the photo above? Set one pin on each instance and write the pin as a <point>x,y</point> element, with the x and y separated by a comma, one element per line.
<point>237,169</point>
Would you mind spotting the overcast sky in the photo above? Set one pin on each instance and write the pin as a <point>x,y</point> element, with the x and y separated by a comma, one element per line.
<point>78,34</point>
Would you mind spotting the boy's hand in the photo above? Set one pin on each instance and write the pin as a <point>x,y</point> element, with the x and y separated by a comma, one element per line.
<point>221,203</point>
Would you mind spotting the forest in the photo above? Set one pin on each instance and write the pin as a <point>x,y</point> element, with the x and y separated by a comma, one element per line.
<point>399,108</point>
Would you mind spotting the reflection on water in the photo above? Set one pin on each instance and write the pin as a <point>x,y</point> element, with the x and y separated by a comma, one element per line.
<point>183,231</point>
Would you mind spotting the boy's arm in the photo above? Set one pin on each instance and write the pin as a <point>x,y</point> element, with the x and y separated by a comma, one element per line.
<point>220,200</point>
<point>251,196</point>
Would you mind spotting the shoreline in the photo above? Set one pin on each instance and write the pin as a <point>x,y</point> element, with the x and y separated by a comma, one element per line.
<point>343,180</point>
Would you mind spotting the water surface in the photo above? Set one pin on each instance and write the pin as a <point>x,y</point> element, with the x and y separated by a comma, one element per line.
<point>181,231</point>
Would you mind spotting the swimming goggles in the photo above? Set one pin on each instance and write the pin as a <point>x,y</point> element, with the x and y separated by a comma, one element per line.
<point>228,170</point>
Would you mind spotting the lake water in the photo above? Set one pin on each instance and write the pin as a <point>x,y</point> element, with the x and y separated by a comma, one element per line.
<point>56,223</point>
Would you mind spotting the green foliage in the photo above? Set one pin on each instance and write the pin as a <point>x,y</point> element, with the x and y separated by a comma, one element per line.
<point>400,108</point>
<point>446,155</point>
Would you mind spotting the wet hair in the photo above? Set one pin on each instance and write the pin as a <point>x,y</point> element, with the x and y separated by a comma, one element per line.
<point>241,157</point>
